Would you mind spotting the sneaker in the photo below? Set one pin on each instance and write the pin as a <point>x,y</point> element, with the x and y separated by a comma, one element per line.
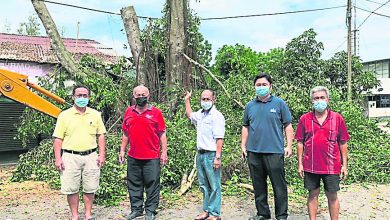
<point>134,215</point>
<point>150,216</point>
<point>258,217</point>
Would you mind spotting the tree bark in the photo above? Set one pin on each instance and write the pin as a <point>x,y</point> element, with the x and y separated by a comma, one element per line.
<point>133,33</point>
<point>177,74</point>
<point>63,55</point>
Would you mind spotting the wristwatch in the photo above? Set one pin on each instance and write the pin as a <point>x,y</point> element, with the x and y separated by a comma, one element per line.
<point>218,158</point>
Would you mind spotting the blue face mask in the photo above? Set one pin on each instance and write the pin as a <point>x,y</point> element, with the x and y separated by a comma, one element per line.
<point>262,91</point>
<point>320,105</point>
<point>206,105</point>
<point>81,102</point>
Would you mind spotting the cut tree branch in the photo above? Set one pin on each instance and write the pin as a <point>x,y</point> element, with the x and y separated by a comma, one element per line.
<point>187,180</point>
<point>133,33</point>
<point>215,78</point>
<point>63,55</point>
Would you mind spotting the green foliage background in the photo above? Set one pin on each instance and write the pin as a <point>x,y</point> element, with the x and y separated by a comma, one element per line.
<point>295,70</point>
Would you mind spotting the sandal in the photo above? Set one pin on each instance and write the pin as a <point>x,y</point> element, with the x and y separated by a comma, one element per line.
<point>202,216</point>
<point>213,218</point>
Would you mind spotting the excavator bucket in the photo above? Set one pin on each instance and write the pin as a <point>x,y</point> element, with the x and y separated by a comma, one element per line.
<point>16,87</point>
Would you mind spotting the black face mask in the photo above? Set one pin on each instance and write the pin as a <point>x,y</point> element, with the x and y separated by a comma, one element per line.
<point>141,101</point>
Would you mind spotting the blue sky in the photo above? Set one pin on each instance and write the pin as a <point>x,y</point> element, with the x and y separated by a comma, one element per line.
<point>259,33</point>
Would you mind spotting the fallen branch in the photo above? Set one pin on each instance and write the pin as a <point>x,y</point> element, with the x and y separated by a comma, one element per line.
<point>246,186</point>
<point>116,122</point>
<point>187,180</point>
<point>214,77</point>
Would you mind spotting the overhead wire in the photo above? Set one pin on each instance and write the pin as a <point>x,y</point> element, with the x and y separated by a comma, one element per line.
<point>372,12</point>
<point>204,19</point>
<point>271,14</point>
<point>378,3</point>
<point>375,13</point>
<point>90,9</point>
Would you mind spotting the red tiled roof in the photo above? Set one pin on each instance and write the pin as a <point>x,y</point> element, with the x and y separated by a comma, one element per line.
<point>37,48</point>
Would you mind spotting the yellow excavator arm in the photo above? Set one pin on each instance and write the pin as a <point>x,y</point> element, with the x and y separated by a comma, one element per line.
<point>16,87</point>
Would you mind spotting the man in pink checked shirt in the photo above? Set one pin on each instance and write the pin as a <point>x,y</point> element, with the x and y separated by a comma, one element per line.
<point>322,152</point>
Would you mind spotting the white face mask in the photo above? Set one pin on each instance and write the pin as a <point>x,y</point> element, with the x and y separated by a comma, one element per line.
<point>206,105</point>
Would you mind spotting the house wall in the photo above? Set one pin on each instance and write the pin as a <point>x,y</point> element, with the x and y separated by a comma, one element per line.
<point>32,69</point>
<point>378,105</point>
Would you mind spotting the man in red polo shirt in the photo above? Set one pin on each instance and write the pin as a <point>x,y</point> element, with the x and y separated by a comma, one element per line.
<point>144,129</point>
<point>322,136</point>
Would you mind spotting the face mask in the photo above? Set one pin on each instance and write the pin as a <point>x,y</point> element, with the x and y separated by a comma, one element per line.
<point>141,101</point>
<point>206,105</point>
<point>320,106</point>
<point>262,90</point>
<point>81,102</point>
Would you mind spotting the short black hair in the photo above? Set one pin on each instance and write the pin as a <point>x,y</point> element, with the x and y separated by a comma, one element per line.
<point>78,87</point>
<point>263,75</point>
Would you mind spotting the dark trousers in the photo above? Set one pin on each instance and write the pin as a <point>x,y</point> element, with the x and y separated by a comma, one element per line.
<point>262,165</point>
<point>143,174</point>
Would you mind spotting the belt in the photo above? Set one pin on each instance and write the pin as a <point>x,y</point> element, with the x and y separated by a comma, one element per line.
<point>82,153</point>
<point>205,151</point>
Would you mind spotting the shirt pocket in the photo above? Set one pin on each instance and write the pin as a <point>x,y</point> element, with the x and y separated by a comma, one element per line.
<point>332,136</point>
<point>92,127</point>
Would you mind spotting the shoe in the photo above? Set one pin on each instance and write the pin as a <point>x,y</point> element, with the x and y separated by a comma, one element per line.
<point>202,216</point>
<point>134,215</point>
<point>150,216</point>
<point>258,217</point>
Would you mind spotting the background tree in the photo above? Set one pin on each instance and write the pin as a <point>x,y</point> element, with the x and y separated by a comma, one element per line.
<point>32,27</point>
<point>6,27</point>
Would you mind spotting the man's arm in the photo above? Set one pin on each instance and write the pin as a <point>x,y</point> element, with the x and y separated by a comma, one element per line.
<point>188,104</point>
<point>344,157</point>
<point>57,145</point>
<point>102,150</point>
<point>164,149</point>
<point>289,138</point>
<point>244,139</point>
<point>301,172</point>
<point>122,151</point>
<point>218,154</point>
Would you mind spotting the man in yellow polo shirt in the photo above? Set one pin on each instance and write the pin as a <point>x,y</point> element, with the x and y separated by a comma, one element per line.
<point>75,149</point>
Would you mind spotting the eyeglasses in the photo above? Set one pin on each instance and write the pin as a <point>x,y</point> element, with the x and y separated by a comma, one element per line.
<point>81,96</point>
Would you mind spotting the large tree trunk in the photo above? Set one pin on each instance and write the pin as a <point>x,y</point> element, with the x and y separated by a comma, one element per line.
<point>63,55</point>
<point>177,65</point>
<point>133,33</point>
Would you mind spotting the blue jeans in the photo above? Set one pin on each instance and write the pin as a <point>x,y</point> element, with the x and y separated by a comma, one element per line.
<point>209,182</point>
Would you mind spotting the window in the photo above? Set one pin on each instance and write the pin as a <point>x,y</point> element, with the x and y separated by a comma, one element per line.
<point>386,70</point>
<point>384,101</point>
<point>380,68</point>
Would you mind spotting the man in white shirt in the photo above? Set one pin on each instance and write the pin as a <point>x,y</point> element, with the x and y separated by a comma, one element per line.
<point>210,129</point>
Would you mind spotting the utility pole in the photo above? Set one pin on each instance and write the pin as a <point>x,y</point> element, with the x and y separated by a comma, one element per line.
<point>77,37</point>
<point>349,50</point>
<point>355,37</point>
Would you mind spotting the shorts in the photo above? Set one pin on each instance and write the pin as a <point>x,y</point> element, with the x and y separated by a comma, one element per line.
<point>331,181</point>
<point>77,168</point>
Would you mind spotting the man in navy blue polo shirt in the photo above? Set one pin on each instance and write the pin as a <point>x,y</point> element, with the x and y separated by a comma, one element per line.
<point>265,119</point>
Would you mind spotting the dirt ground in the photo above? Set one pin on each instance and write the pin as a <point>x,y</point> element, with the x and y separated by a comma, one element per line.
<point>35,200</point>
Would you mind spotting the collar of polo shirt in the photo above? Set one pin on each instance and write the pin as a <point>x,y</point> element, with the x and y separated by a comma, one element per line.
<point>213,108</point>
<point>87,110</point>
<point>268,100</point>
